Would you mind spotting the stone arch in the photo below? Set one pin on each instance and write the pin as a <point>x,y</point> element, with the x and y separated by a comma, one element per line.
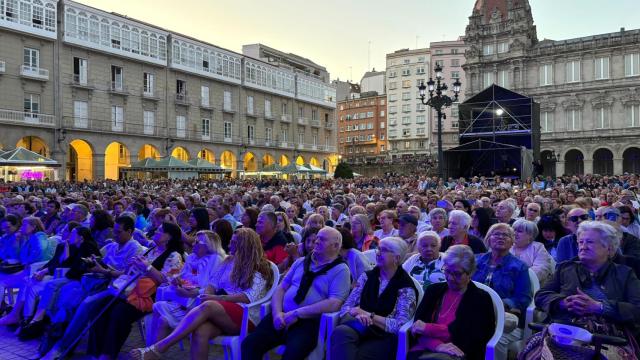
<point>116,156</point>
<point>35,144</point>
<point>148,151</point>
<point>207,154</point>
<point>80,161</point>
<point>603,161</point>
<point>548,163</point>
<point>249,162</point>
<point>631,160</point>
<point>300,160</point>
<point>313,161</point>
<point>267,160</point>
<point>574,162</point>
<point>228,160</point>
<point>181,153</point>
<point>284,160</point>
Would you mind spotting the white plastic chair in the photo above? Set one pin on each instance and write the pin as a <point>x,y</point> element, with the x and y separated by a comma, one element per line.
<point>535,286</point>
<point>231,344</point>
<point>498,309</point>
<point>371,256</point>
<point>331,320</point>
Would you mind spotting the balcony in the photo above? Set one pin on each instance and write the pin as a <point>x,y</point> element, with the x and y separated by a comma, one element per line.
<point>302,121</point>
<point>330,125</point>
<point>228,107</point>
<point>26,118</point>
<point>81,82</point>
<point>268,115</point>
<point>149,94</point>
<point>284,144</point>
<point>2,67</point>
<point>34,72</point>
<point>315,123</point>
<point>116,87</point>
<point>205,104</point>
<point>205,137</point>
<point>269,143</point>
<point>251,113</point>
<point>300,146</point>
<point>285,118</point>
<point>182,99</point>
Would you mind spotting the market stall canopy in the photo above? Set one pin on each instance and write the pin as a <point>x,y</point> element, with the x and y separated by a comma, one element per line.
<point>295,169</point>
<point>272,168</point>
<point>205,167</point>
<point>315,169</point>
<point>23,157</point>
<point>167,163</point>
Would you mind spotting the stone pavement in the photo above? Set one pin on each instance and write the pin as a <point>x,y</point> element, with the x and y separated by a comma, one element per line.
<point>13,349</point>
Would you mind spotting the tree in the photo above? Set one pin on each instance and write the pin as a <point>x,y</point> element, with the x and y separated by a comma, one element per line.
<point>343,171</point>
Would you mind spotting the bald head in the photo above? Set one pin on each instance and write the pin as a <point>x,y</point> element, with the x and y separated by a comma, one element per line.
<point>328,243</point>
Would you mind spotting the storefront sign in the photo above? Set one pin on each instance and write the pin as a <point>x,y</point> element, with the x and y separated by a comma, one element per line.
<point>31,175</point>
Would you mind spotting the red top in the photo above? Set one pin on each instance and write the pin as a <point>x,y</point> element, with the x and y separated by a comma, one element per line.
<point>437,333</point>
<point>276,254</point>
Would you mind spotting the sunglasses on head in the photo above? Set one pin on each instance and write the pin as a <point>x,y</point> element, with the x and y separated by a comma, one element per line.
<point>575,218</point>
<point>611,216</point>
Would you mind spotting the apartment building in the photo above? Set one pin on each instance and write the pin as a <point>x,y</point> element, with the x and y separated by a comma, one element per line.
<point>362,124</point>
<point>97,91</point>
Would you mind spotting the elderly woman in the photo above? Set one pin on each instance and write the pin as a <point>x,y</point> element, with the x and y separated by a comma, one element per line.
<point>426,265</point>
<point>532,253</point>
<point>508,276</point>
<point>438,218</point>
<point>455,319</point>
<point>386,218</point>
<point>593,290</point>
<point>180,295</point>
<point>459,223</point>
<point>243,277</point>
<point>362,234</point>
<point>382,301</point>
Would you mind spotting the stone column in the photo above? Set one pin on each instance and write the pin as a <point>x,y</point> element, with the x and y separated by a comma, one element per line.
<point>61,158</point>
<point>617,166</point>
<point>588,166</point>
<point>98,166</point>
<point>560,168</point>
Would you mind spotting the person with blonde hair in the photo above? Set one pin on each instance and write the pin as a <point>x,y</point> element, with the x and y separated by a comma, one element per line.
<point>243,277</point>
<point>362,234</point>
<point>386,218</point>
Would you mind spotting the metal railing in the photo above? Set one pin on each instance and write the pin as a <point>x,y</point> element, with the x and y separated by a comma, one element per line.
<point>315,123</point>
<point>34,72</point>
<point>25,117</point>
<point>285,118</point>
<point>2,66</point>
<point>182,98</point>
<point>117,87</point>
<point>302,121</point>
<point>330,125</point>
<point>228,107</point>
<point>77,80</point>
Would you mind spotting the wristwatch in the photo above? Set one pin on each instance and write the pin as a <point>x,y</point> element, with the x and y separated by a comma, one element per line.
<point>371,315</point>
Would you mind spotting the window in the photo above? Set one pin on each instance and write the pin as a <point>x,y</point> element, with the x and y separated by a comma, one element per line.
<point>487,49</point>
<point>206,129</point>
<point>633,115</point>
<point>81,114</point>
<point>602,68</point>
<point>117,118</point>
<point>267,108</point>
<point>455,74</point>
<point>80,71</point>
<point>406,72</point>
<point>83,28</point>
<point>204,96</point>
<point>393,109</point>
<point>115,36</point>
<point>362,126</point>
<point>250,105</point>
<point>420,107</point>
<point>117,82</point>
<point>406,120</point>
<point>546,121</point>
<point>420,119</point>
<point>381,113</point>
<point>503,47</point>
<point>574,119</point>
<point>227,131</point>
<point>381,136</point>
<point>227,100</point>
<point>393,74</point>
<point>455,62</point>
<point>488,78</point>
<point>382,102</point>
<point>439,52</point>
<point>632,64</point>
<point>406,108</point>
<point>601,117</point>
<point>503,78</point>
<point>284,134</point>
<point>149,118</point>
<point>283,108</point>
<point>314,114</point>
<point>440,63</point>
<point>421,59</point>
<point>314,139</point>
<point>251,134</point>
<point>420,70</point>
<point>181,126</point>
<point>406,83</point>
<point>546,74</point>
<point>301,138</point>
<point>382,125</point>
<point>381,148</point>
<point>268,134</point>
<point>406,61</point>
<point>393,97</point>
<point>148,85</point>
<point>420,131</point>
<point>31,58</point>
<point>406,96</point>
<point>393,85</point>
<point>181,89</point>
<point>455,111</point>
<point>454,125</point>
<point>572,71</point>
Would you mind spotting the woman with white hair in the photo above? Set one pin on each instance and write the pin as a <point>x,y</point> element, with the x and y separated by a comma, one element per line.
<point>530,252</point>
<point>459,223</point>
<point>426,265</point>
<point>438,219</point>
<point>594,291</point>
<point>383,300</point>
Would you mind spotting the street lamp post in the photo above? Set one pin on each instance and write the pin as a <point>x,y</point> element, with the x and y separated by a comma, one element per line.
<point>438,102</point>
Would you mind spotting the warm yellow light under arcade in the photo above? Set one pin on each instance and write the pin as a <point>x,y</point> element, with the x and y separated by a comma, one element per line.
<point>80,160</point>
<point>228,160</point>
<point>34,144</point>
<point>148,151</point>
<point>116,156</point>
<point>180,153</point>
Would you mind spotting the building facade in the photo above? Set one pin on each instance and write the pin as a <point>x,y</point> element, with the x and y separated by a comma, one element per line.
<point>362,128</point>
<point>407,132</point>
<point>97,91</point>
<point>374,81</point>
<point>450,56</point>
<point>587,87</point>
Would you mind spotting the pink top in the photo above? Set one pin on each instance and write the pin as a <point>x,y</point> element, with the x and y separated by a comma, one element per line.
<point>437,333</point>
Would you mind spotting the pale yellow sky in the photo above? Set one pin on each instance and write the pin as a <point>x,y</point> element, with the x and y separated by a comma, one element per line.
<point>336,33</point>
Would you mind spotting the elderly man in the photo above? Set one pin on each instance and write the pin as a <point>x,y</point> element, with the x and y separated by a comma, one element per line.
<point>407,226</point>
<point>316,284</point>
<point>504,212</point>
<point>568,245</point>
<point>532,212</point>
<point>629,245</point>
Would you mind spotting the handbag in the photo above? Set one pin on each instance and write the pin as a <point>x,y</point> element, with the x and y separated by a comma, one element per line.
<point>141,295</point>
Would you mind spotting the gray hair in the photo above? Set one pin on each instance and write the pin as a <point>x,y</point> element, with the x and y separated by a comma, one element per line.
<point>398,246</point>
<point>528,226</point>
<point>510,204</point>
<point>462,216</point>
<point>460,255</point>
<point>609,236</point>
<point>438,211</point>
<point>429,234</point>
<point>364,220</point>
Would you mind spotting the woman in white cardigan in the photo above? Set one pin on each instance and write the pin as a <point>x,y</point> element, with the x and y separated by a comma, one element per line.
<point>531,252</point>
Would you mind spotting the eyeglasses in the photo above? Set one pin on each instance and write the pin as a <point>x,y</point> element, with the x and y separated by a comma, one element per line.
<point>577,218</point>
<point>455,274</point>
<point>500,234</point>
<point>611,216</point>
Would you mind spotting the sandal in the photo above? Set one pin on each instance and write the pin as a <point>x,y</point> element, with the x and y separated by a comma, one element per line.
<point>141,353</point>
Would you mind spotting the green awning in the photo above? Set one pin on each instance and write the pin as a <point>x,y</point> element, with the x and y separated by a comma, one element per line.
<point>205,167</point>
<point>315,169</point>
<point>272,168</point>
<point>23,157</point>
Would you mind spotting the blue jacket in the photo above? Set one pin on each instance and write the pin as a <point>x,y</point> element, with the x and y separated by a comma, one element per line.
<point>510,280</point>
<point>36,248</point>
<point>567,248</point>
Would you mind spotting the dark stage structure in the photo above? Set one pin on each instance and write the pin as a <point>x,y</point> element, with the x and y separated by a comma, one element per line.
<point>499,135</point>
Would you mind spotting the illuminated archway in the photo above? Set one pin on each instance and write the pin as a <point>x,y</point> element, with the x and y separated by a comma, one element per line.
<point>181,153</point>
<point>207,154</point>
<point>148,151</point>
<point>228,160</point>
<point>34,144</point>
<point>116,155</point>
<point>267,160</point>
<point>313,161</point>
<point>249,162</point>
<point>284,160</point>
<point>300,160</point>
<point>80,161</point>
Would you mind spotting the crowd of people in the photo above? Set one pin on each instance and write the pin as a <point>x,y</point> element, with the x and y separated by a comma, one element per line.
<point>188,256</point>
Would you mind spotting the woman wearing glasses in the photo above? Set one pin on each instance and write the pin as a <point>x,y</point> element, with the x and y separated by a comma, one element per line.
<point>455,319</point>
